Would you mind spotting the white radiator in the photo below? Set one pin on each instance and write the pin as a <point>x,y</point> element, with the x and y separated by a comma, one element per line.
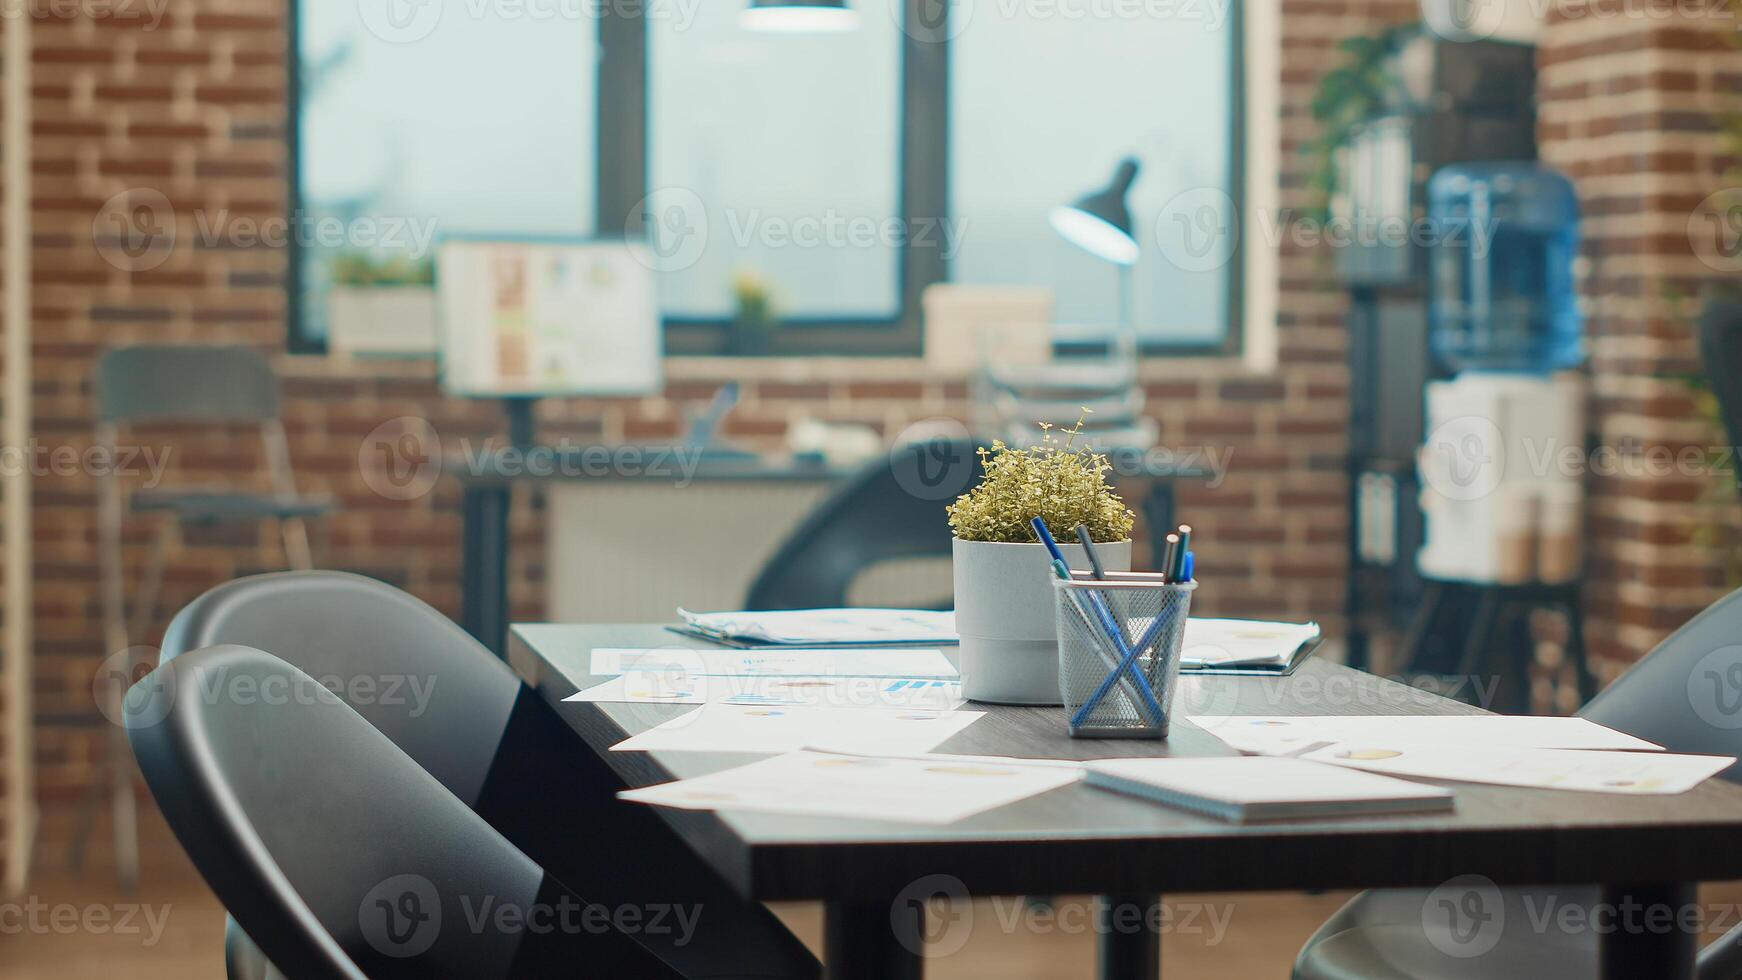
<point>633,551</point>
<point>624,551</point>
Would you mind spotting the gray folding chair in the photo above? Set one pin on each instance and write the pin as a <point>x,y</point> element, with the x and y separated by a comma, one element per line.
<point>182,384</point>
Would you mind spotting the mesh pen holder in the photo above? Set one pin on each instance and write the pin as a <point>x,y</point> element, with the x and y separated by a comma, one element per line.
<point>1149,617</point>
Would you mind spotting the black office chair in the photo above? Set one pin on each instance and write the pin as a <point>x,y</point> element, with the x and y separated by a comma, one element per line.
<point>336,852</point>
<point>496,745</point>
<point>892,509</point>
<point>1721,348</point>
<point>1380,935</point>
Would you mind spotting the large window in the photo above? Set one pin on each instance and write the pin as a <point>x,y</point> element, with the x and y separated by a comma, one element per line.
<point>1043,107</point>
<point>847,171</point>
<point>788,144</point>
<point>409,129</point>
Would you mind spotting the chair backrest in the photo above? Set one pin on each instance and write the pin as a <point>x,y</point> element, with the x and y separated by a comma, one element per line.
<point>337,854</point>
<point>1686,695</point>
<point>893,508</point>
<point>408,670</point>
<point>1721,348</point>
<point>185,383</point>
<point>459,712</point>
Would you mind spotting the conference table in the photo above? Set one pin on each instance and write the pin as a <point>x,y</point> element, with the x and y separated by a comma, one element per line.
<point>873,877</point>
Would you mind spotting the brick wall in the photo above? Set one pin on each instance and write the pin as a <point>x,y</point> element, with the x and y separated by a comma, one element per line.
<point>194,110</point>
<point>1630,95</point>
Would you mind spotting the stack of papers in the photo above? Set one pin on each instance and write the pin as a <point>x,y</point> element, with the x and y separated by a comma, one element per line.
<point>1638,773</point>
<point>782,662</point>
<point>1505,750</point>
<point>1246,646</point>
<point>823,627</point>
<point>1271,735</point>
<point>736,728</point>
<point>682,687</point>
<point>937,789</point>
<point>1264,789</point>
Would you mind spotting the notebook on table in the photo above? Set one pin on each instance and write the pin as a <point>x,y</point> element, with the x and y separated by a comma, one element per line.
<point>816,628</point>
<point>1249,788</point>
<point>1245,646</point>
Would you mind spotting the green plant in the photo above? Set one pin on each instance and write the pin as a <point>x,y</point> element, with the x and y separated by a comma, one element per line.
<point>369,269</point>
<point>1060,485</point>
<point>1348,97</point>
<point>755,304</point>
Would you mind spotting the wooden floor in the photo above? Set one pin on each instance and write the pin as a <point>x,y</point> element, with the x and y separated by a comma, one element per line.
<point>173,928</point>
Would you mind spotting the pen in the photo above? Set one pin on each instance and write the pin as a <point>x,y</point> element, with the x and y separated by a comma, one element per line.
<point>1095,565</point>
<point>1100,572</point>
<point>1167,558</point>
<point>1176,570</point>
<point>1095,600</point>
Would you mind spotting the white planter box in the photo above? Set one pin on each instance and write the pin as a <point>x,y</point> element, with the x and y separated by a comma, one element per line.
<point>1004,616</point>
<point>382,320</point>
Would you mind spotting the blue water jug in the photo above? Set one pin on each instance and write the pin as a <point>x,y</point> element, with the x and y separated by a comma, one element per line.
<point>1502,296</point>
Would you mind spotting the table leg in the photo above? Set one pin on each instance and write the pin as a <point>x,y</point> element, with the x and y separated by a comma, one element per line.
<point>873,940</point>
<point>1649,937</point>
<point>1158,511</point>
<point>484,564</point>
<point>1130,946</point>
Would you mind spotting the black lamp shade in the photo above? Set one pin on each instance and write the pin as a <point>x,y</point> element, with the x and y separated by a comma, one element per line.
<point>1100,222</point>
<point>798,16</point>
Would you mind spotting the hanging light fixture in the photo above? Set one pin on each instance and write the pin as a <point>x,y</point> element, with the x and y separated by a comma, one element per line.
<point>798,16</point>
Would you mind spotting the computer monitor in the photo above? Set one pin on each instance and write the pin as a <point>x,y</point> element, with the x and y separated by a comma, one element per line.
<point>523,318</point>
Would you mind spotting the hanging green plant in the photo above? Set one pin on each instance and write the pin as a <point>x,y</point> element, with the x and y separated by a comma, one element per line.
<point>1349,96</point>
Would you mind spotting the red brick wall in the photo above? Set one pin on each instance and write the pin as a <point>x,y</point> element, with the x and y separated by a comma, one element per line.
<point>1630,97</point>
<point>195,110</point>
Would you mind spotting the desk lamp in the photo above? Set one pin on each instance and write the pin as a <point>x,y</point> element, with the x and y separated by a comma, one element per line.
<point>1100,223</point>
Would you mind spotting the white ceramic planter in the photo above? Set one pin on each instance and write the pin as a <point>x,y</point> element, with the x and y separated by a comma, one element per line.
<point>382,320</point>
<point>1004,615</point>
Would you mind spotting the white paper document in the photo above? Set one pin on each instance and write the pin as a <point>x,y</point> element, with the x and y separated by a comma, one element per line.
<point>795,662</point>
<point>735,728</point>
<point>681,687</point>
<point>1640,773</point>
<point>1291,736</point>
<point>1242,642</point>
<point>937,790</point>
<point>798,627</point>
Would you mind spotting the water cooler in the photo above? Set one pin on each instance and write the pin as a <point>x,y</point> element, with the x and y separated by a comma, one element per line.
<point>1503,461</point>
<point>1500,468</point>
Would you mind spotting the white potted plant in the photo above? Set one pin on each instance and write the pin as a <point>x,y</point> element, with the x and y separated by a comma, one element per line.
<point>1003,576</point>
<point>381,306</point>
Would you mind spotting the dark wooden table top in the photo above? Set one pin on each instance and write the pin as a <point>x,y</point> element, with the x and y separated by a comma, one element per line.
<point>1079,840</point>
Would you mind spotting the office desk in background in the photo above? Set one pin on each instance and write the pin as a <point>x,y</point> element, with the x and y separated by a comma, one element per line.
<point>1078,840</point>
<point>632,543</point>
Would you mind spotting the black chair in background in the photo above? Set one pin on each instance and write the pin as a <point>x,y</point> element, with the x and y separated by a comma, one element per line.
<point>461,713</point>
<point>1380,934</point>
<point>892,509</point>
<point>335,851</point>
<point>1721,348</point>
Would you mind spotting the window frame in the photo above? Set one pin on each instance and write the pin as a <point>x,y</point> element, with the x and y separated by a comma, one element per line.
<point>923,190</point>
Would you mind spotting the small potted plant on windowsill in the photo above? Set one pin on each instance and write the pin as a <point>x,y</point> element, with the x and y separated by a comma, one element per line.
<point>1003,576</point>
<point>381,306</point>
<point>754,321</point>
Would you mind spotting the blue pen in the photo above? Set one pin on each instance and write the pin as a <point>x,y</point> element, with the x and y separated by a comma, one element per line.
<point>1128,655</point>
<point>1186,576</point>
